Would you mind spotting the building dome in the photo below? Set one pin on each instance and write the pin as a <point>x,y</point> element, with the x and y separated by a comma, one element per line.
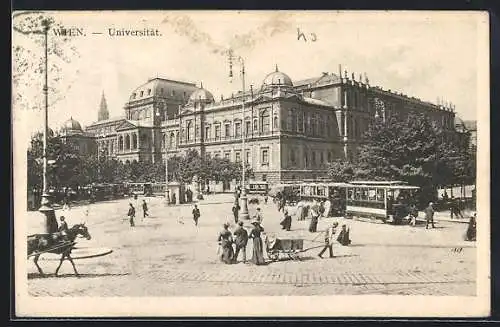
<point>201,95</point>
<point>277,78</point>
<point>71,125</point>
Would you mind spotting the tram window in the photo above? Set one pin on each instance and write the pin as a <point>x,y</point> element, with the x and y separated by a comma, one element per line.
<point>364,195</point>
<point>380,195</point>
<point>372,195</point>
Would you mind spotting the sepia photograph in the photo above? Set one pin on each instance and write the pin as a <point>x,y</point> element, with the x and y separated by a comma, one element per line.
<point>251,163</point>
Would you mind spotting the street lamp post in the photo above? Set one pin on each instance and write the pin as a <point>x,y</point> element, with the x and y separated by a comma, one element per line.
<point>244,201</point>
<point>46,206</point>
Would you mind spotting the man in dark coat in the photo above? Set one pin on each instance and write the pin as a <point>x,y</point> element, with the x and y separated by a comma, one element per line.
<point>144,209</point>
<point>286,223</point>
<point>429,216</point>
<point>236,209</point>
<point>63,227</point>
<point>240,241</point>
<point>196,215</point>
<point>131,214</point>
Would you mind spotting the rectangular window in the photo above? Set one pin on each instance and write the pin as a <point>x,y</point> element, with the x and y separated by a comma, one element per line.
<point>255,125</point>
<point>237,156</point>
<point>265,157</point>
<point>248,128</point>
<point>247,157</point>
<point>207,132</point>
<point>227,155</point>
<point>227,130</point>
<point>217,132</point>
<point>237,129</point>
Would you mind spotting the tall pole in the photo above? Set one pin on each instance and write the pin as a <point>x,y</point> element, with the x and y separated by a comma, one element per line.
<point>244,204</point>
<point>46,208</point>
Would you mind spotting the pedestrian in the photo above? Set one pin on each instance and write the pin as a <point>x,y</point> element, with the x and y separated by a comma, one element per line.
<point>429,216</point>
<point>196,214</point>
<point>240,242</point>
<point>144,209</point>
<point>258,216</point>
<point>470,234</point>
<point>226,243</point>
<point>286,223</point>
<point>329,235</point>
<point>236,209</point>
<point>413,214</point>
<point>131,214</point>
<point>265,199</point>
<point>313,225</point>
<point>66,201</point>
<point>174,199</point>
<point>455,208</point>
<point>63,227</point>
<point>343,237</point>
<point>257,252</point>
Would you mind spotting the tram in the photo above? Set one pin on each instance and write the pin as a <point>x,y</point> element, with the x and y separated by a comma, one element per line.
<point>258,187</point>
<point>380,200</point>
<point>326,191</point>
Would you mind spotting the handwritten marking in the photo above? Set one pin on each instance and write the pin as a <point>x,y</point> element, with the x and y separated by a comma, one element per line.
<point>312,36</point>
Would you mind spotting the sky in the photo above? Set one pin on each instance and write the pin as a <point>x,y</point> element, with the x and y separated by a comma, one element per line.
<point>426,55</point>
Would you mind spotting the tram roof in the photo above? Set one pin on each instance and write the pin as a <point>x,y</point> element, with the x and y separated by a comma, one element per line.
<point>390,187</point>
<point>379,182</point>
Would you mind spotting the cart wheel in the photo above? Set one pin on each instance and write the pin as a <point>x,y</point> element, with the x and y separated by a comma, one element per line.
<point>273,256</point>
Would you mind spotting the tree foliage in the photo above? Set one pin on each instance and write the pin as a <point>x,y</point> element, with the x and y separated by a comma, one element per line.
<point>28,60</point>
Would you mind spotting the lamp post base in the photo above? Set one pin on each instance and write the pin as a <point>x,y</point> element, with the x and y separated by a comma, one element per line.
<point>46,208</point>
<point>244,208</point>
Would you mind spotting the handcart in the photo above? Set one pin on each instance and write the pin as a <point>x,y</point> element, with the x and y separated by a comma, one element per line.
<point>283,249</point>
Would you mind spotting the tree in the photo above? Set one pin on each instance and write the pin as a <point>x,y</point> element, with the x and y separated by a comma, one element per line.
<point>28,60</point>
<point>341,171</point>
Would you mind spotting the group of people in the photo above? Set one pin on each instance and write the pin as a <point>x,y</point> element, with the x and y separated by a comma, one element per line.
<point>239,238</point>
<point>131,211</point>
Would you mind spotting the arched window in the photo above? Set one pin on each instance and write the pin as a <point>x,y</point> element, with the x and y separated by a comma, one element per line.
<point>217,131</point>
<point>120,143</point>
<point>307,120</point>
<point>248,127</point>
<point>276,125</point>
<point>264,121</point>
<point>134,141</point>
<point>306,159</point>
<point>329,156</point>
<point>313,158</point>
<point>127,142</point>
<point>255,125</point>
<point>227,130</point>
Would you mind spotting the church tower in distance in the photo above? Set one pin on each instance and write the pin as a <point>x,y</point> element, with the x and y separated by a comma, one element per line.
<point>103,109</point>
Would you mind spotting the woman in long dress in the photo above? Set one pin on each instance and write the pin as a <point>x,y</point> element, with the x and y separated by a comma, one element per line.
<point>313,225</point>
<point>226,243</point>
<point>258,252</point>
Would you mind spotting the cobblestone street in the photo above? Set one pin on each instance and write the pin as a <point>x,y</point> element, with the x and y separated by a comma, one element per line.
<point>166,255</point>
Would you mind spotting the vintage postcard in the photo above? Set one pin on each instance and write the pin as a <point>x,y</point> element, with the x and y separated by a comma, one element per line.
<point>263,163</point>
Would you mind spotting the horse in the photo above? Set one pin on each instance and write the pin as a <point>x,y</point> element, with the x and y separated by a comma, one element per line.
<point>58,243</point>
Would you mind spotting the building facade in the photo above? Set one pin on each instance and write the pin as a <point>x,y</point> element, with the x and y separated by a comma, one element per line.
<point>292,129</point>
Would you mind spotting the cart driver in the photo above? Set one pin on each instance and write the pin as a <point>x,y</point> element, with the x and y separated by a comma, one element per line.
<point>63,227</point>
<point>329,238</point>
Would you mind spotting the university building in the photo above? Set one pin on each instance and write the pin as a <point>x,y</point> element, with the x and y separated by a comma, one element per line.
<point>292,128</point>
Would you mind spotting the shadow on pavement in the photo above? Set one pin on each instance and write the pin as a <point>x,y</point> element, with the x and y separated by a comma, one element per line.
<point>38,276</point>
